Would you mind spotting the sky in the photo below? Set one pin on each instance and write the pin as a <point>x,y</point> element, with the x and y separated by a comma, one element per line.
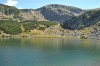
<point>83,4</point>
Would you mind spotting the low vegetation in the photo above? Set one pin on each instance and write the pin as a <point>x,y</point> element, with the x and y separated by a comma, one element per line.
<point>47,23</point>
<point>29,25</point>
<point>41,28</point>
<point>10,27</point>
<point>35,24</point>
<point>84,20</point>
<point>13,27</point>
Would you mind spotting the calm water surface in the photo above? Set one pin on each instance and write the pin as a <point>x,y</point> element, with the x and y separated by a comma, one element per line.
<point>49,52</point>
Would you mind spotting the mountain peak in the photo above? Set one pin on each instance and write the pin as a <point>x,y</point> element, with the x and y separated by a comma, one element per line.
<point>60,6</point>
<point>57,12</point>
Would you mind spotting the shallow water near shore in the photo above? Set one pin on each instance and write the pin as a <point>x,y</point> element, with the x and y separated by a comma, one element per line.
<point>49,52</point>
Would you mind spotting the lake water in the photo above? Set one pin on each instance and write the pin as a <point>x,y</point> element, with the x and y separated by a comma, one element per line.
<point>49,52</point>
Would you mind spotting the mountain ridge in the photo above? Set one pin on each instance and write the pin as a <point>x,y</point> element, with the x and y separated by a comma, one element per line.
<point>56,12</point>
<point>60,13</point>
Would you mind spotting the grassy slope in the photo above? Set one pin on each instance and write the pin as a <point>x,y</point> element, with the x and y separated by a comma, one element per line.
<point>42,29</point>
<point>14,28</point>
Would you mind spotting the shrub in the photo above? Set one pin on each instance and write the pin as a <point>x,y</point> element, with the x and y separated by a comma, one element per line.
<point>41,28</point>
<point>10,27</point>
<point>47,23</point>
<point>34,24</point>
<point>29,25</point>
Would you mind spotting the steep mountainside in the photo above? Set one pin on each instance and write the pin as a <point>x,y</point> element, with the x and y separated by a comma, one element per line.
<point>86,19</point>
<point>12,13</point>
<point>52,12</point>
<point>60,13</point>
<point>31,14</point>
<point>8,12</point>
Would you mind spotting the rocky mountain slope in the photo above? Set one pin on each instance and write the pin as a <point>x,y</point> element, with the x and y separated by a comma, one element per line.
<point>52,12</point>
<point>86,19</point>
<point>60,13</point>
<point>89,19</point>
<point>12,13</point>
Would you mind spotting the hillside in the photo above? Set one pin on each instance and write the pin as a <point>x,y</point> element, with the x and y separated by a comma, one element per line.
<point>50,20</point>
<point>52,12</point>
<point>86,19</point>
<point>9,27</point>
<point>56,12</point>
<point>88,22</point>
<point>12,13</point>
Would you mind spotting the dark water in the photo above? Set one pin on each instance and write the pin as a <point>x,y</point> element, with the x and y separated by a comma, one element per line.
<point>49,52</point>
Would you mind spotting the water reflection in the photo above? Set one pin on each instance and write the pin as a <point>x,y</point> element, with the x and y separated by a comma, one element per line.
<point>52,43</point>
<point>49,52</point>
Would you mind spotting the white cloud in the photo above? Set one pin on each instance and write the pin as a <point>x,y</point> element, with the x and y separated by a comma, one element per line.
<point>11,2</point>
